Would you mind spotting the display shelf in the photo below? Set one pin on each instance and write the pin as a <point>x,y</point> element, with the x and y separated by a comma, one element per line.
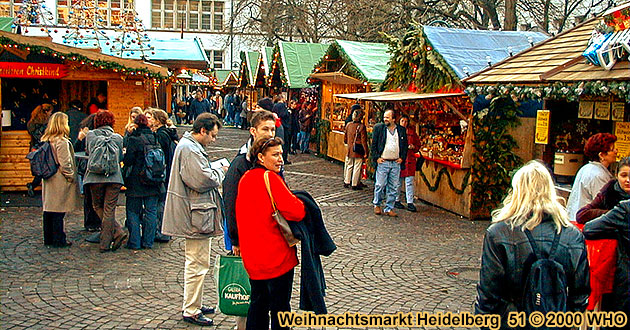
<point>444,162</point>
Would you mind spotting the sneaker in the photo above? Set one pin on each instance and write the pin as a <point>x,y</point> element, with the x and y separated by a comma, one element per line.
<point>411,207</point>
<point>399,205</point>
<point>30,190</point>
<point>378,210</point>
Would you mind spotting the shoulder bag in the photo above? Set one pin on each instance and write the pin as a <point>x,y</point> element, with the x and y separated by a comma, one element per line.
<point>358,147</point>
<point>283,225</point>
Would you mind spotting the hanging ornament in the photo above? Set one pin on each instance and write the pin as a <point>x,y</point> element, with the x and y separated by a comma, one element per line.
<point>129,41</point>
<point>83,15</point>
<point>33,13</point>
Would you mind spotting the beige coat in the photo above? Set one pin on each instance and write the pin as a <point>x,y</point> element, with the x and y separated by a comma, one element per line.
<point>60,193</point>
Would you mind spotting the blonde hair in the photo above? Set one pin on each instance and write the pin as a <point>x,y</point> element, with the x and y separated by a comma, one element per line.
<point>57,127</point>
<point>137,111</point>
<point>532,196</point>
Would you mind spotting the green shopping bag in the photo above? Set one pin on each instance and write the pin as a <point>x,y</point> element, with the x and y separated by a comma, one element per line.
<point>232,285</point>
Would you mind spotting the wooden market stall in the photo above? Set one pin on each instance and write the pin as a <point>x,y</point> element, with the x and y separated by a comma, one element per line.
<point>35,71</point>
<point>247,76</point>
<point>226,79</point>
<point>347,67</point>
<point>429,66</point>
<point>578,97</point>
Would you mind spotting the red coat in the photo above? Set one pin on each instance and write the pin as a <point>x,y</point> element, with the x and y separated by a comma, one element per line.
<point>265,253</point>
<point>410,166</point>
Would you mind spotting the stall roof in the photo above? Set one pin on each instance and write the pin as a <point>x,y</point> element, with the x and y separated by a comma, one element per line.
<point>251,60</point>
<point>372,59</point>
<point>6,23</point>
<point>396,96</point>
<point>90,54</point>
<point>267,58</point>
<point>226,77</point>
<point>298,60</point>
<point>473,48</point>
<point>337,77</point>
<point>550,57</point>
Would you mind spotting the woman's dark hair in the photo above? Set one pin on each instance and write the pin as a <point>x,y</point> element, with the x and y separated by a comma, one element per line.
<point>104,118</point>
<point>76,104</point>
<point>141,120</point>
<point>600,142</point>
<point>404,116</point>
<point>206,120</point>
<point>261,145</point>
<point>87,122</point>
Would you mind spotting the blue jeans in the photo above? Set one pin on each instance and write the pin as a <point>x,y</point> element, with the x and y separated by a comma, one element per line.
<point>136,217</point>
<point>303,140</point>
<point>409,190</point>
<point>386,182</point>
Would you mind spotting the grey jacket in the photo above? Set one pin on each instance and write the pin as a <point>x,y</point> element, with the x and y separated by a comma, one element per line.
<point>89,141</point>
<point>193,203</point>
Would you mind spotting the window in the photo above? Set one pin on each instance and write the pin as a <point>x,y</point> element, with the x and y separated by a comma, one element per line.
<point>216,56</point>
<point>9,8</point>
<point>107,10</point>
<point>195,14</point>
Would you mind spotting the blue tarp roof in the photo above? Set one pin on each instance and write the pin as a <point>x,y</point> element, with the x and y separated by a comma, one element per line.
<point>167,50</point>
<point>470,48</point>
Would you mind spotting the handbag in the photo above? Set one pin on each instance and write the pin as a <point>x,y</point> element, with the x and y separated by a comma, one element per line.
<point>358,147</point>
<point>283,225</point>
<point>233,287</point>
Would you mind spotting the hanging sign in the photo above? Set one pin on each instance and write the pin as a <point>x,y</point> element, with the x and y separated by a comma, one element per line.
<point>622,132</point>
<point>586,109</point>
<point>33,70</point>
<point>618,111</point>
<point>602,110</point>
<point>542,127</point>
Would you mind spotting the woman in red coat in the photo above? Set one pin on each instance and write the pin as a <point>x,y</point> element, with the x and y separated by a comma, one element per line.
<point>267,257</point>
<point>409,172</point>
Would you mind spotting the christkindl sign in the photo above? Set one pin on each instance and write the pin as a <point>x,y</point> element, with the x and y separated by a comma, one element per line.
<point>33,70</point>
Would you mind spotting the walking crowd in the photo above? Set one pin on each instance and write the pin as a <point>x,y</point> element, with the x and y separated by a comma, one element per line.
<point>534,257</point>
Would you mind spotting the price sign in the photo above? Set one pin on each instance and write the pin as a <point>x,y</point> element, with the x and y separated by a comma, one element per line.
<point>542,127</point>
<point>622,131</point>
<point>586,109</point>
<point>618,111</point>
<point>602,110</point>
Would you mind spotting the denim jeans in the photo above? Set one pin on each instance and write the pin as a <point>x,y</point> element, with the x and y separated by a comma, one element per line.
<point>386,182</point>
<point>303,138</point>
<point>137,218</point>
<point>409,190</point>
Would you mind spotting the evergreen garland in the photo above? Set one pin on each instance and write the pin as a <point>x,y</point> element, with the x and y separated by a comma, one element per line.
<point>445,171</point>
<point>559,91</point>
<point>415,62</point>
<point>493,159</point>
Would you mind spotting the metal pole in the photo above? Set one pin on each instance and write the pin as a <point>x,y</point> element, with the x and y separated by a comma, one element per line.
<point>231,34</point>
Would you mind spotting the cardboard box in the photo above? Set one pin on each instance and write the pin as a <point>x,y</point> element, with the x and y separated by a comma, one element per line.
<point>567,164</point>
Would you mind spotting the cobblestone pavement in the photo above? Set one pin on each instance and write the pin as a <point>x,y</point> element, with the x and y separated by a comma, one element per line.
<point>425,261</point>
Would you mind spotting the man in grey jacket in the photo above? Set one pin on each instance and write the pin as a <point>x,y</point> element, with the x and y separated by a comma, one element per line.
<point>193,210</point>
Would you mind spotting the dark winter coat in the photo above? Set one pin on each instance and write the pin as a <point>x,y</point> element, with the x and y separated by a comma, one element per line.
<point>74,120</point>
<point>314,242</point>
<point>306,119</point>
<point>235,172</point>
<point>607,198</point>
<point>36,130</point>
<point>134,162</point>
<point>616,225</point>
<point>282,111</point>
<point>167,138</point>
<point>410,162</point>
<point>506,252</point>
<point>379,137</point>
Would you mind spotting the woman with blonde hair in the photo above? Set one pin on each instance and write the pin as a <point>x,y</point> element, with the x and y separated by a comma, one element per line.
<point>60,193</point>
<point>531,219</point>
<point>36,127</point>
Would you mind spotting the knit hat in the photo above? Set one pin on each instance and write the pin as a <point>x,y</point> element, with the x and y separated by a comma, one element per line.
<point>265,103</point>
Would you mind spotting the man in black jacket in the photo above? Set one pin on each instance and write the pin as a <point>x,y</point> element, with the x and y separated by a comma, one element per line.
<point>389,149</point>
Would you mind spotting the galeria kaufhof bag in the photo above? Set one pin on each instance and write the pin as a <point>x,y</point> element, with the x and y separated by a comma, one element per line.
<point>233,285</point>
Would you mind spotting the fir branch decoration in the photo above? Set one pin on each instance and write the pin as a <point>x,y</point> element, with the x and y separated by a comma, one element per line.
<point>493,158</point>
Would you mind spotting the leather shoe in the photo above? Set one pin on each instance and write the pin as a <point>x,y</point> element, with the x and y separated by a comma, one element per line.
<point>399,205</point>
<point>346,185</point>
<point>207,310</point>
<point>411,207</point>
<point>357,188</point>
<point>377,210</point>
<point>118,241</point>
<point>198,319</point>
<point>391,213</point>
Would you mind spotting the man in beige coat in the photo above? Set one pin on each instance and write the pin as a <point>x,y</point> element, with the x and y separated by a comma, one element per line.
<point>193,210</point>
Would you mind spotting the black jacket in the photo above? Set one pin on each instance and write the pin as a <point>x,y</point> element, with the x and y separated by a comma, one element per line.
<point>235,172</point>
<point>506,256</point>
<point>167,138</point>
<point>315,242</point>
<point>379,137</point>
<point>134,158</point>
<point>616,225</point>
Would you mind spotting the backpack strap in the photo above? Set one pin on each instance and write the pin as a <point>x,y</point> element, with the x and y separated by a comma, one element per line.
<point>538,253</point>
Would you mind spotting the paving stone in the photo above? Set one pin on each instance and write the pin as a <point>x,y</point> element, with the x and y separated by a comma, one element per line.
<point>381,265</point>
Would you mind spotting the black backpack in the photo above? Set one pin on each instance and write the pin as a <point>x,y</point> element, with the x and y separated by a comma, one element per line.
<point>42,160</point>
<point>545,282</point>
<point>153,170</point>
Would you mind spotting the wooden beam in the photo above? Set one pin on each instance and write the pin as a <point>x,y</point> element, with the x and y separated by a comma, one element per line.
<point>450,106</point>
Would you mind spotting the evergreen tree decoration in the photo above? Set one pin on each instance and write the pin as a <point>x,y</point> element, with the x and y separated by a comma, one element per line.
<point>131,38</point>
<point>33,13</point>
<point>85,25</point>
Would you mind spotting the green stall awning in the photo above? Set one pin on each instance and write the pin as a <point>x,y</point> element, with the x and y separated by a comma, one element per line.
<point>371,59</point>
<point>298,60</point>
